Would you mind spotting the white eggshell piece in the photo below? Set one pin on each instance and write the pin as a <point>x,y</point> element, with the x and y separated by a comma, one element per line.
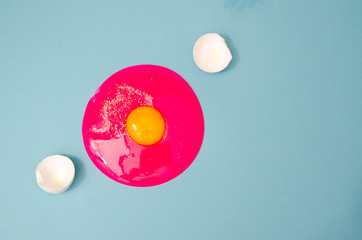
<point>55,174</point>
<point>211,53</point>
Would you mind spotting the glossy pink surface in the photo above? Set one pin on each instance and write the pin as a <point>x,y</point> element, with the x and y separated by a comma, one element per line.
<point>104,126</point>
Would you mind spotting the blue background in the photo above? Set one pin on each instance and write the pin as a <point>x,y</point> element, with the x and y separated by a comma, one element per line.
<point>281,157</point>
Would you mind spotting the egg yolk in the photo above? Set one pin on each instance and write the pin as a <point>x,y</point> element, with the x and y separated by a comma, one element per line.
<point>145,125</point>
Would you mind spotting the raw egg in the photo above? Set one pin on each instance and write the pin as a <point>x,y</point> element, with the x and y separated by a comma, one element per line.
<point>144,126</point>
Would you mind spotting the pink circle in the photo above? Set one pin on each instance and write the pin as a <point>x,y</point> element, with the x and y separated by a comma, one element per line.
<point>104,126</point>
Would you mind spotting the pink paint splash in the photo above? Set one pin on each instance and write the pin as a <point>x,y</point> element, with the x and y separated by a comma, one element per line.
<point>104,126</point>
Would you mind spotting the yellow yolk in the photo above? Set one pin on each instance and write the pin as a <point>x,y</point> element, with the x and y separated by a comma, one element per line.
<point>145,125</point>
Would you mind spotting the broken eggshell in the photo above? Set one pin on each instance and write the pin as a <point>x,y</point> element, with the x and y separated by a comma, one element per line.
<point>211,53</point>
<point>55,174</point>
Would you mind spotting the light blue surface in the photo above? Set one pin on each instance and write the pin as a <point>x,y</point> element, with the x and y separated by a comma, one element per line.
<point>281,158</point>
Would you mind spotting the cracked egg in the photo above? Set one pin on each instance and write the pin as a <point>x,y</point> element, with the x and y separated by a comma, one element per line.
<point>144,126</point>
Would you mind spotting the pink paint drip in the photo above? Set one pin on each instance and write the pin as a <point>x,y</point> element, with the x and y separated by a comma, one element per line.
<point>104,126</point>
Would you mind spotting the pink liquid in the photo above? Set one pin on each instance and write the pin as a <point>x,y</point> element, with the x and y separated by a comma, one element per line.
<point>104,126</point>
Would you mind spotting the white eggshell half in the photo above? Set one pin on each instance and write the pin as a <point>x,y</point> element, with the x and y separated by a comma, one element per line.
<point>211,53</point>
<point>55,174</point>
